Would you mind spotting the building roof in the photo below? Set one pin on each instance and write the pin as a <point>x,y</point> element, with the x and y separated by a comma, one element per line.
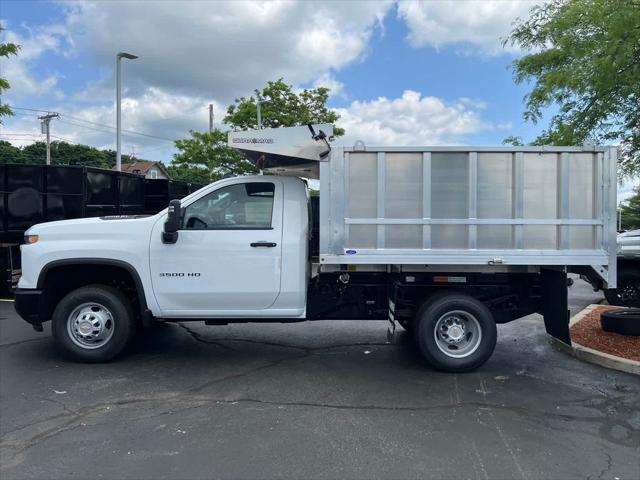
<point>142,167</point>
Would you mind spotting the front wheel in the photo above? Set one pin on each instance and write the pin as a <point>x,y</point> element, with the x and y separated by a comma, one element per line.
<point>93,324</point>
<point>456,333</point>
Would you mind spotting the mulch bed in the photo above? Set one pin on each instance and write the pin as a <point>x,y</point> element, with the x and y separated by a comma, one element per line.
<point>588,333</point>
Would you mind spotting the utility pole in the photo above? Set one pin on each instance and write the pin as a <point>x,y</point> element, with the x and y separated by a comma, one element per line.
<point>210,117</point>
<point>46,119</point>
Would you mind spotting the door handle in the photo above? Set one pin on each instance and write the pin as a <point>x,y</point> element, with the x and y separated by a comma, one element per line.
<point>263,244</point>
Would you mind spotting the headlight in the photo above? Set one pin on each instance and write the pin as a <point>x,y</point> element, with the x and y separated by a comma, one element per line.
<point>29,239</point>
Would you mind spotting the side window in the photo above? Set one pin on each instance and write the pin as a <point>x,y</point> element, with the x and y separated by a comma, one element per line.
<point>244,206</point>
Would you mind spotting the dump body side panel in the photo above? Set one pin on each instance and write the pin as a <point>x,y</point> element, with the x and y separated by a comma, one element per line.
<point>550,206</point>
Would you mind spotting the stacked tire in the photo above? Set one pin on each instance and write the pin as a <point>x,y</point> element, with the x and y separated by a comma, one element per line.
<point>623,321</point>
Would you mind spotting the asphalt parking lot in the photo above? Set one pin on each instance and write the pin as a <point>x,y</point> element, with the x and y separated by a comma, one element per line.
<point>312,400</point>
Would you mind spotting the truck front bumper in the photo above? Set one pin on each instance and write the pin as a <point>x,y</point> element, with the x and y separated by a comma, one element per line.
<point>28,304</point>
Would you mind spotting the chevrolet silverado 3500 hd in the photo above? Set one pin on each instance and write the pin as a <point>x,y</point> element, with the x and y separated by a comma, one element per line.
<point>445,241</point>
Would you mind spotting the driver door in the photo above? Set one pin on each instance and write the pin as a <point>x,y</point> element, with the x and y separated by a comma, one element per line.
<point>227,259</point>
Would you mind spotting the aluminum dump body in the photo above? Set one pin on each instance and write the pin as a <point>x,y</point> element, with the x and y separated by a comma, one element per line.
<point>469,206</point>
<point>520,206</point>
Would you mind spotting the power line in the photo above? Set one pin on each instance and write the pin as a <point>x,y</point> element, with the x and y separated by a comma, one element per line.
<point>66,140</point>
<point>25,114</point>
<point>39,136</point>
<point>85,126</point>
<point>127,133</point>
<point>29,109</point>
<point>22,134</point>
<point>132,132</point>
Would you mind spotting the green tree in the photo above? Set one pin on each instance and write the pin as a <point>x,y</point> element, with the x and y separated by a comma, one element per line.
<point>9,153</point>
<point>62,153</point>
<point>630,212</point>
<point>206,157</point>
<point>35,153</point>
<point>584,57</point>
<point>281,106</point>
<point>514,140</point>
<point>6,50</point>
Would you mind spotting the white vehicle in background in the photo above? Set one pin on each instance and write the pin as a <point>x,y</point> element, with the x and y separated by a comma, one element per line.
<point>445,241</point>
<point>627,293</point>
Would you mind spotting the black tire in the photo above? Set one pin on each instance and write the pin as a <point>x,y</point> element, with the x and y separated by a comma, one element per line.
<point>628,292</point>
<point>625,322</point>
<point>120,321</point>
<point>473,314</point>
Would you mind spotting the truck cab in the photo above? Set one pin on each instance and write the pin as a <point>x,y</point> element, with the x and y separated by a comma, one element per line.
<point>234,254</point>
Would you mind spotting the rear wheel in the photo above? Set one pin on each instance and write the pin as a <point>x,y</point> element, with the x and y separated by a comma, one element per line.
<point>93,324</point>
<point>628,292</point>
<point>455,332</point>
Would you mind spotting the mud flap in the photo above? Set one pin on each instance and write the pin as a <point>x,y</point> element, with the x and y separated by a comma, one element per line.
<point>555,307</point>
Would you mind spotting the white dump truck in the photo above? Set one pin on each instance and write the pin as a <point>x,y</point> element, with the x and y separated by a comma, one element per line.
<point>445,241</point>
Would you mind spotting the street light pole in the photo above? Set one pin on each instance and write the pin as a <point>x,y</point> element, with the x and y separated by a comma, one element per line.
<point>119,57</point>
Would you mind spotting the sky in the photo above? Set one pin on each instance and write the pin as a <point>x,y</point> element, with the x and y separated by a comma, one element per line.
<point>401,72</point>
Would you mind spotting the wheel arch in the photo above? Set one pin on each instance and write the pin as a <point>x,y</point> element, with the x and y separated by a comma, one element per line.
<point>124,271</point>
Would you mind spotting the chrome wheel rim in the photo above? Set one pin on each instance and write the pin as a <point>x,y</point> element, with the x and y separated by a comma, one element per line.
<point>457,334</point>
<point>90,325</point>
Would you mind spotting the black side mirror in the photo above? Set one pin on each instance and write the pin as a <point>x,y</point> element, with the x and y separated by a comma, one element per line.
<point>173,222</point>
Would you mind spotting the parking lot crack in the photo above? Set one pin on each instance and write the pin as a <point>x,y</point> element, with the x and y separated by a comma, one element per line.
<point>199,338</point>
<point>58,402</point>
<point>498,428</point>
<point>246,373</point>
<point>13,344</point>
<point>605,470</point>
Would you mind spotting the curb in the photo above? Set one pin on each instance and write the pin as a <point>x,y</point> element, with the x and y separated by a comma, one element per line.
<point>594,356</point>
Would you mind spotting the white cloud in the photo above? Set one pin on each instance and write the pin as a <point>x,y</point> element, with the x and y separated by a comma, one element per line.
<point>195,53</point>
<point>411,119</point>
<point>37,42</point>
<point>154,112</point>
<point>226,49</point>
<point>191,54</point>
<point>327,80</point>
<point>480,24</point>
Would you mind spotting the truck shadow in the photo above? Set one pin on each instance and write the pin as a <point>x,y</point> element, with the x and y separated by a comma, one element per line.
<point>195,342</point>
